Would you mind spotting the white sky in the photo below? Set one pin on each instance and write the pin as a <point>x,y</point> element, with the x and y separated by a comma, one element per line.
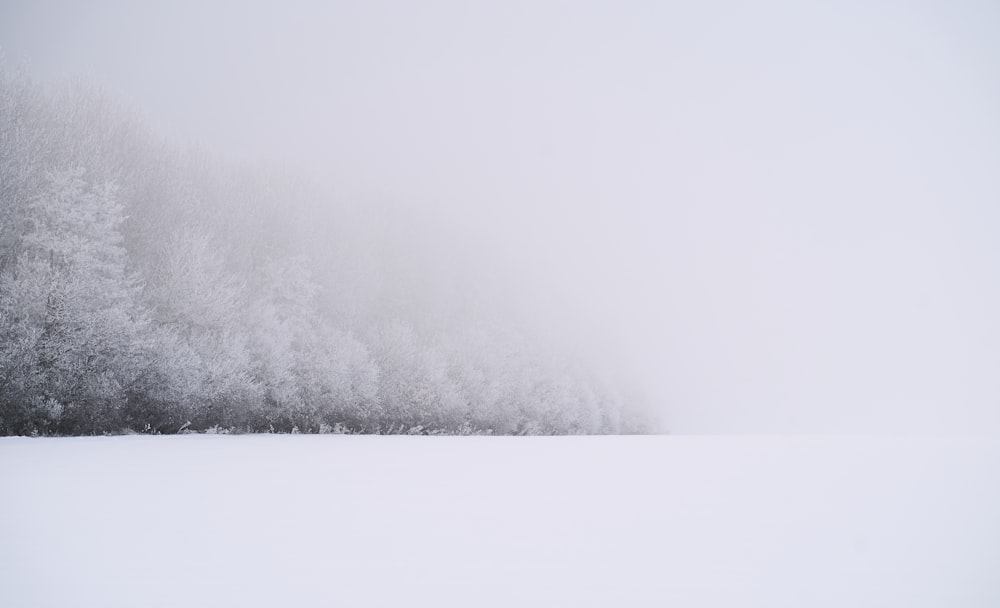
<point>780,216</point>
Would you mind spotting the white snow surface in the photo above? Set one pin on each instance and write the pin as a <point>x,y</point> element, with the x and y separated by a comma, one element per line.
<point>364,521</point>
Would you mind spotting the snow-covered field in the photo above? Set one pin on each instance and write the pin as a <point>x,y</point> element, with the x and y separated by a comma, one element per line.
<point>478,521</point>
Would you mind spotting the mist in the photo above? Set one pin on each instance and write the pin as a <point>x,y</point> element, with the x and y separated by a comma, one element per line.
<point>777,218</point>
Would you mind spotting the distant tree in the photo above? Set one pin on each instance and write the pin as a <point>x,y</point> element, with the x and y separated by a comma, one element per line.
<point>197,302</point>
<point>311,373</point>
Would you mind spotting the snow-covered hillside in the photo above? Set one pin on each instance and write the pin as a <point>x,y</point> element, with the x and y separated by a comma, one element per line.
<point>488,521</point>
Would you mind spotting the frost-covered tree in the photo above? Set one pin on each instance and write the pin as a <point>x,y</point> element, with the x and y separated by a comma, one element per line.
<point>311,373</point>
<point>70,307</point>
<point>414,387</point>
<point>197,303</point>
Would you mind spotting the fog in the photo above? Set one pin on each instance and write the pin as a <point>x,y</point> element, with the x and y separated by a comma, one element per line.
<point>766,218</point>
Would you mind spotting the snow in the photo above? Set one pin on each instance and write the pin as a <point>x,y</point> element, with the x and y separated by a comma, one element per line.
<point>365,521</point>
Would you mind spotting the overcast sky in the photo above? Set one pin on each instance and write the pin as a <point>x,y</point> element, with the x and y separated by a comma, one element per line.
<point>778,216</point>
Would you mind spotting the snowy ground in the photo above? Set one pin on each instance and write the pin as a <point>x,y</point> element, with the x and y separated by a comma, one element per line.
<point>424,521</point>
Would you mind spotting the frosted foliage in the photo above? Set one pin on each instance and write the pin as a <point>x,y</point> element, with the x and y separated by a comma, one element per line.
<point>146,289</point>
<point>73,327</point>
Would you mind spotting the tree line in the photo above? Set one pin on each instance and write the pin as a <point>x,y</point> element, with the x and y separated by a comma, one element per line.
<point>146,287</point>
